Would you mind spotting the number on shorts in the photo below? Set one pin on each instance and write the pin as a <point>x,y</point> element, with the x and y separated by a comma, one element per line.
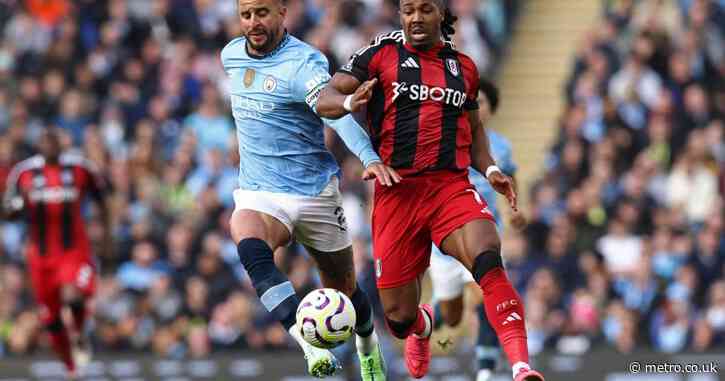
<point>341,221</point>
<point>84,276</point>
<point>478,200</point>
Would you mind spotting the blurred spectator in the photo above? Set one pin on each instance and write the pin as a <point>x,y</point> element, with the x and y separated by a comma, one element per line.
<point>143,270</point>
<point>637,173</point>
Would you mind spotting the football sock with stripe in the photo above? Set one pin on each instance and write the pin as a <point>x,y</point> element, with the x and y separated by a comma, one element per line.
<point>272,286</point>
<point>364,327</point>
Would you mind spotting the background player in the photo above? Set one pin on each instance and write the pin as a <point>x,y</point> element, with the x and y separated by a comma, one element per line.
<point>448,276</point>
<point>425,124</point>
<point>288,180</point>
<point>51,188</point>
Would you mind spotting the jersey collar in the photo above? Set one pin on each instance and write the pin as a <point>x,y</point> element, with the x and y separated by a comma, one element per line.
<point>432,51</point>
<point>282,43</point>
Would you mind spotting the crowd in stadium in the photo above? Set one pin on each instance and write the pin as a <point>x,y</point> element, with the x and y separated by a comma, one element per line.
<point>625,246</point>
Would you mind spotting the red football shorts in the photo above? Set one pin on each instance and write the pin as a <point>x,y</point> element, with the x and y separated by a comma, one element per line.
<point>48,277</point>
<point>418,211</point>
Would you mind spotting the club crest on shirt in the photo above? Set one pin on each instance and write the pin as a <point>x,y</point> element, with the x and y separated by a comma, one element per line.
<point>269,84</point>
<point>249,77</point>
<point>452,66</point>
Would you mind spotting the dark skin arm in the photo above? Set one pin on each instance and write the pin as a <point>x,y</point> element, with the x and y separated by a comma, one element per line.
<point>481,159</point>
<point>332,98</point>
<point>330,105</point>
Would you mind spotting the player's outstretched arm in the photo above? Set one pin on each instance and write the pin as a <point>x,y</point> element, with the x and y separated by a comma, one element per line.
<point>358,142</point>
<point>482,161</point>
<point>10,212</point>
<point>344,94</point>
<point>12,202</point>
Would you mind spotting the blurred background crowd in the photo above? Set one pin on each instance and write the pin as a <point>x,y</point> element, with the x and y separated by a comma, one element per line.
<point>137,86</point>
<point>625,246</point>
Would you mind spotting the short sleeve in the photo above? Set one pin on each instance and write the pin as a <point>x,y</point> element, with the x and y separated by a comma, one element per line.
<point>311,78</point>
<point>12,199</point>
<point>361,64</point>
<point>227,54</point>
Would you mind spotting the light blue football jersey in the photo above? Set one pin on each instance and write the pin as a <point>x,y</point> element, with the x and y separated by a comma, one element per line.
<point>502,154</point>
<point>281,141</point>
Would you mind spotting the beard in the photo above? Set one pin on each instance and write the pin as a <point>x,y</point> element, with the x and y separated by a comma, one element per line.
<point>259,43</point>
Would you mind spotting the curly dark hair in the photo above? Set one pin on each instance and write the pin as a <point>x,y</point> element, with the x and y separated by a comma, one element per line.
<point>449,19</point>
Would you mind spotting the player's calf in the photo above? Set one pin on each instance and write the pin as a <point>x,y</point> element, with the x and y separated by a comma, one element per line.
<point>504,307</point>
<point>272,286</point>
<point>60,341</point>
<point>449,312</point>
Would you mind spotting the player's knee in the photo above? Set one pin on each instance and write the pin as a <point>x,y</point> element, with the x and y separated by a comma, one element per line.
<point>398,312</point>
<point>485,262</point>
<point>400,328</point>
<point>55,325</point>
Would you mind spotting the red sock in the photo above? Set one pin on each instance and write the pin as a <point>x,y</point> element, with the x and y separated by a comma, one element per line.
<point>505,312</point>
<point>61,346</point>
<point>422,326</point>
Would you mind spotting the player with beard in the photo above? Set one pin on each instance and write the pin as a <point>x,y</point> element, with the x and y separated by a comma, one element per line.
<point>423,119</point>
<point>288,180</point>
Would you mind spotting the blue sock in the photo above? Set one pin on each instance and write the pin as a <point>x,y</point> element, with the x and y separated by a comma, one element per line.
<point>363,312</point>
<point>487,348</point>
<point>437,312</point>
<point>273,287</point>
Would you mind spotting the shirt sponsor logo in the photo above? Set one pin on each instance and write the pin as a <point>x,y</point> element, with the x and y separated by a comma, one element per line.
<point>421,92</point>
<point>54,195</point>
<point>243,107</point>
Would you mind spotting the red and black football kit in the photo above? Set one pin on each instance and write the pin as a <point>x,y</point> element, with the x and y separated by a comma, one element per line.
<point>58,249</point>
<point>418,123</point>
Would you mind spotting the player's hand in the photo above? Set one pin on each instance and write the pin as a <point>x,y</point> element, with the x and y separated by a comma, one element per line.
<point>504,185</point>
<point>386,175</point>
<point>362,95</point>
<point>518,220</point>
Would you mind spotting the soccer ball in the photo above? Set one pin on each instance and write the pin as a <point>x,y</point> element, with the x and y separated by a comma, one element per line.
<point>326,318</point>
